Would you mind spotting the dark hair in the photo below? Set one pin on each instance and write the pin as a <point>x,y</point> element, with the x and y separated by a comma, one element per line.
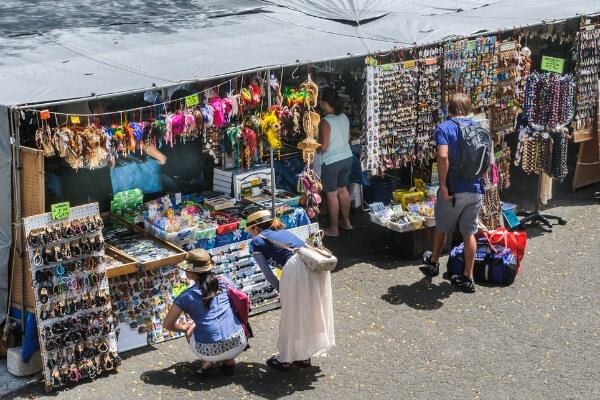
<point>210,286</point>
<point>274,225</point>
<point>459,104</point>
<point>333,99</point>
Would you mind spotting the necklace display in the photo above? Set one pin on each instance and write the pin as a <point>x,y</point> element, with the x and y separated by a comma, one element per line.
<point>587,72</point>
<point>470,67</point>
<point>549,99</point>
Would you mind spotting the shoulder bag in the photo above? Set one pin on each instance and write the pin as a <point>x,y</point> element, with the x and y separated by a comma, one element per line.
<point>316,258</point>
<point>240,302</point>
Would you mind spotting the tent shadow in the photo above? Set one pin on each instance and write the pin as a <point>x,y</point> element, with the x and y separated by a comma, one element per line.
<point>420,295</point>
<point>254,378</point>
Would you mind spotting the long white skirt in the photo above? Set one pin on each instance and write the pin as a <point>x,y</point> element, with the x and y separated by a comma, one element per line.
<point>306,324</point>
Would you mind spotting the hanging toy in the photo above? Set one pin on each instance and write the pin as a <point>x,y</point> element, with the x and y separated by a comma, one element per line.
<point>249,141</point>
<point>255,93</point>
<point>232,135</point>
<point>312,91</point>
<point>233,105</point>
<point>218,113</point>
<point>270,126</point>
<point>246,96</point>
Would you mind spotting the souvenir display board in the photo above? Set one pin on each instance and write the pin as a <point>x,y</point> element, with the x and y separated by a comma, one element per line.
<point>236,263</point>
<point>73,305</point>
<point>470,67</point>
<point>587,72</point>
<point>140,303</point>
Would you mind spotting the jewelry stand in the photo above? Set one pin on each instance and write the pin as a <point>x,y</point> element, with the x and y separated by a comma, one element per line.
<point>531,217</point>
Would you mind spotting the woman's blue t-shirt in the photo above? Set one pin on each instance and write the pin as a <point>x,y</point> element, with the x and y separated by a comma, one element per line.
<point>447,134</point>
<point>276,255</point>
<point>215,324</point>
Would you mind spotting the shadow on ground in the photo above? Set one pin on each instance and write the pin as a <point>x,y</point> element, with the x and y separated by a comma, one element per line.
<point>250,376</point>
<point>420,295</point>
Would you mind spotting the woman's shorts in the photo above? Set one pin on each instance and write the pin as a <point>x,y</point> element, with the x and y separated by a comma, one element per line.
<point>336,175</point>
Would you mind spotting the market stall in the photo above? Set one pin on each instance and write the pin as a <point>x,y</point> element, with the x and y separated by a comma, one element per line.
<point>244,122</point>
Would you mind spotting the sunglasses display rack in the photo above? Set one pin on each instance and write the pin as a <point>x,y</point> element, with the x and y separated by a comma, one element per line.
<point>470,68</point>
<point>73,304</point>
<point>236,263</point>
<point>140,304</point>
<point>587,72</point>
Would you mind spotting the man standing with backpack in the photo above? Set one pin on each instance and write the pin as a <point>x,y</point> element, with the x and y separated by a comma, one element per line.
<point>463,156</point>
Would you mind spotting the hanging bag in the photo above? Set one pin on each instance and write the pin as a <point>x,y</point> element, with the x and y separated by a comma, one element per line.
<point>515,241</point>
<point>240,302</point>
<point>316,258</point>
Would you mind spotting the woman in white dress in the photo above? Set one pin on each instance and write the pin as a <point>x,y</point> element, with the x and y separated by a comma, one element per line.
<point>306,323</point>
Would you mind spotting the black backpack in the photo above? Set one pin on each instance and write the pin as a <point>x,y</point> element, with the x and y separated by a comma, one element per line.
<point>475,150</point>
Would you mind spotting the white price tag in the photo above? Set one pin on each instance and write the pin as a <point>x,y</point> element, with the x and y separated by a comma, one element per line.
<point>177,198</point>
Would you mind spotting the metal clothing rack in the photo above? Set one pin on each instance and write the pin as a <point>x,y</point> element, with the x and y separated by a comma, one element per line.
<point>531,218</point>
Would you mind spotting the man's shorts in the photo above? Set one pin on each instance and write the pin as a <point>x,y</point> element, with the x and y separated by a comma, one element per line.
<point>465,212</point>
<point>336,175</point>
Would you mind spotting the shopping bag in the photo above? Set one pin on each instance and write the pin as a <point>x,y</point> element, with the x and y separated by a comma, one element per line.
<point>515,241</point>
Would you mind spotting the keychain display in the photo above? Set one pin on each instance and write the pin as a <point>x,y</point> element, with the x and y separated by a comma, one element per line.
<point>73,304</point>
<point>401,108</point>
<point>140,304</point>
<point>508,97</point>
<point>470,67</point>
<point>429,100</point>
<point>587,72</point>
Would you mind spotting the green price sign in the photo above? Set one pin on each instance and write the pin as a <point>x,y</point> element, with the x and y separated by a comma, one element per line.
<point>192,100</point>
<point>386,67</point>
<point>61,210</point>
<point>553,64</point>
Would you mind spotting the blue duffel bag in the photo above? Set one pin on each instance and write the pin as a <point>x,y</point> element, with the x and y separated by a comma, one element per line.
<point>492,264</point>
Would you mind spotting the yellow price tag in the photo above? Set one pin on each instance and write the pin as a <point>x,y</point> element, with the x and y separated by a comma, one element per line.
<point>75,119</point>
<point>409,64</point>
<point>278,273</point>
<point>192,100</point>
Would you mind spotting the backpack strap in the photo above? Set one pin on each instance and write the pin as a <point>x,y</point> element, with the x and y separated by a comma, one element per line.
<point>276,243</point>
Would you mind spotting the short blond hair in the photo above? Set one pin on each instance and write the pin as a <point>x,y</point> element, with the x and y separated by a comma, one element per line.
<point>459,104</point>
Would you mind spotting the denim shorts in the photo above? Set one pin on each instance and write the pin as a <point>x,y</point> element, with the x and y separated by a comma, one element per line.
<point>465,211</point>
<point>336,175</point>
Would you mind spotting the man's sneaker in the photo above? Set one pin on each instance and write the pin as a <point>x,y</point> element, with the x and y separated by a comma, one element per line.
<point>465,283</point>
<point>430,268</point>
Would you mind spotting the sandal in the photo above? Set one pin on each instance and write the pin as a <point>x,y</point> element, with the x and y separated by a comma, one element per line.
<point>329,234</point>
<point>273,362</point>
<point>303,363</point>
<point>205,371</point>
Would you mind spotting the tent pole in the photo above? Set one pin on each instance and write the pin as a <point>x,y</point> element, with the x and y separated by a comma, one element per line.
<point>269,100</point>
<point>14,119</point>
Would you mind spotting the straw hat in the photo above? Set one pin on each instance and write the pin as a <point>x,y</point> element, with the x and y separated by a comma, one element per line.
<point>258,218</point>
<point>197,260</point>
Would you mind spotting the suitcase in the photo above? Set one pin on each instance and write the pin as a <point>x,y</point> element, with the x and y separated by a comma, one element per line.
<point>489,267</point>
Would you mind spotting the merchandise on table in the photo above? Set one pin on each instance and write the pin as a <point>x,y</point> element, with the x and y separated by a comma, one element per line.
<point>136,243</point>
<point>140,304</point>
<point>395,218</point>
<point>73,305</point>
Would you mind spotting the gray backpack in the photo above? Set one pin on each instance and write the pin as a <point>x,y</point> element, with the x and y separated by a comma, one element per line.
<point>475,150</point>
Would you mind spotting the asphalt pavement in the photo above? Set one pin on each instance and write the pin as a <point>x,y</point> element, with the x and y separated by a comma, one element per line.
<point>400,335</point>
